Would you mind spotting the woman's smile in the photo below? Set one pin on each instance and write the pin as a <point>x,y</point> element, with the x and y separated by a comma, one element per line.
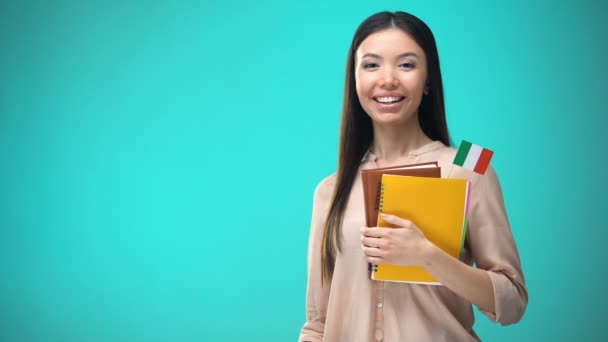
<point>389,103</point>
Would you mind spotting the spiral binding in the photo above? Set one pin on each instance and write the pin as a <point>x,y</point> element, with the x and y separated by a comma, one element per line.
<point>380,197</point>
<point>379,202</point>
<point>378,194</point>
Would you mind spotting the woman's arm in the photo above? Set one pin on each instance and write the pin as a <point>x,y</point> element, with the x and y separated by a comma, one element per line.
<point>471,283</point>
<point>493,248</point>
<point>317,294</point>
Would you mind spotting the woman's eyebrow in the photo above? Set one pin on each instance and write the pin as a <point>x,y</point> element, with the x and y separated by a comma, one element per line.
<point>405,54</point>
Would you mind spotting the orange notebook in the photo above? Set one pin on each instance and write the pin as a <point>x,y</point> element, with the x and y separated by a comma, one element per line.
<point>436,205</point>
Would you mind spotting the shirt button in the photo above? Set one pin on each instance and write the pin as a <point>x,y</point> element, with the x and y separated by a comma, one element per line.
<point>379,305</point>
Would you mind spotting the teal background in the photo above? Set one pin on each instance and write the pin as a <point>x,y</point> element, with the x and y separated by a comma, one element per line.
<point>144,145</point>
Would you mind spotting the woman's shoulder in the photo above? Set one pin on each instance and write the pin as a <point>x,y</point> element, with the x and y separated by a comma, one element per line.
<point>436,150</point>
<point>326,185</point>
<point>448,151</point>
<point>445,156</point>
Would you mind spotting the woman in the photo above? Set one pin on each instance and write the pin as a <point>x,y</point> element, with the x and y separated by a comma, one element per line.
<point>393,114</point>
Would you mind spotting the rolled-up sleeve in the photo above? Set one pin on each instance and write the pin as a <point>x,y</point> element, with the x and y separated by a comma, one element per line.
<point>494,249</point>
<point>317,295</point>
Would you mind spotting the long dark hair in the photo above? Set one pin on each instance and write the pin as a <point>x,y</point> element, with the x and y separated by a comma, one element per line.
<point>356,131</point>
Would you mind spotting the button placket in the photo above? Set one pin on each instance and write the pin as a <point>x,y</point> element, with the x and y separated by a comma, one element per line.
<point>379,333</point>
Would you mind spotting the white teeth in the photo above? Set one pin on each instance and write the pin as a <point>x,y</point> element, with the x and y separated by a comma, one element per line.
<point>388,99</point>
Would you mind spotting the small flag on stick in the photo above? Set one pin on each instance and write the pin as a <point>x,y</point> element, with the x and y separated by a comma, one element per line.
<point>473,157</point>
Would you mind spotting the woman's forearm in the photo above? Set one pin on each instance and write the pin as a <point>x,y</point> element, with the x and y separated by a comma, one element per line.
<point>471,283</point>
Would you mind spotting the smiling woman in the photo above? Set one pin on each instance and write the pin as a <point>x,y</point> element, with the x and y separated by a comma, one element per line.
<point>390,76</point>
<point>393,114</point>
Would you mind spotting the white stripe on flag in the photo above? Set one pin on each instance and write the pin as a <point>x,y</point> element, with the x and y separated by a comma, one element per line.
<point>472,157</point>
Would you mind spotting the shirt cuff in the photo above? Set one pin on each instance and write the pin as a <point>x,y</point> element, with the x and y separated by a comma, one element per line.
<point>508,302</point>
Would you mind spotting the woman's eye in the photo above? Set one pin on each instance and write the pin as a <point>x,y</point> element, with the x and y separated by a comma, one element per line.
<point>370,65</point>
<point>408,65</point>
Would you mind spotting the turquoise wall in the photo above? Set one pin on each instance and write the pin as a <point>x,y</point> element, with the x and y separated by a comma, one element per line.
<point>159,158</point>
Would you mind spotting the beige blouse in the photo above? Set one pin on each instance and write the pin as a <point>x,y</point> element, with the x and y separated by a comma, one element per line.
<point>352,307</point>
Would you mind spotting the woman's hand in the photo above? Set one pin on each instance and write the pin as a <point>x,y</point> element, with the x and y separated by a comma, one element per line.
<point>405,246</point>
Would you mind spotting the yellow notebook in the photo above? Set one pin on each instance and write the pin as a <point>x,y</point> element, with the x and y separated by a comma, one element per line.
<point>435,205</point>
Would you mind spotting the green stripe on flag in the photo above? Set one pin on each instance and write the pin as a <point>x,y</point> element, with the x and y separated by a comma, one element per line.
<point>461,155</point>
<point>464,233</point>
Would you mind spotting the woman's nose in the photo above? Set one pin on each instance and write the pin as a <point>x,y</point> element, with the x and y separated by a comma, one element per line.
<point>388,79</point>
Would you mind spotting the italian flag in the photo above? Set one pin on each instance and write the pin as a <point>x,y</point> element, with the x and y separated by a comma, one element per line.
<point>473,157</point>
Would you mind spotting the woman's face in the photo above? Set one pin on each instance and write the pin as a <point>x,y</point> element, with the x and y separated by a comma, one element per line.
<point>390,75</point>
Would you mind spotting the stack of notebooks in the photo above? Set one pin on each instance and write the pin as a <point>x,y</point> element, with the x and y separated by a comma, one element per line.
<point>438,206</point>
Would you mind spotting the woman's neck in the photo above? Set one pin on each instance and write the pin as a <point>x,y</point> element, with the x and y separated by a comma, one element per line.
<point>392,144</point>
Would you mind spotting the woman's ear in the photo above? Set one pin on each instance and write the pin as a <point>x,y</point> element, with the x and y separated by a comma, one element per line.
<point>427,88</point>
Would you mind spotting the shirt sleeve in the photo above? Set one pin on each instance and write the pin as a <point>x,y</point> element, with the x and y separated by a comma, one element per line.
<point>317,294</point>
<point>493,248</point>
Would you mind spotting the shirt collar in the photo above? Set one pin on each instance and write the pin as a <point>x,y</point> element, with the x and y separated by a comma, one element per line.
<point>432,146</point>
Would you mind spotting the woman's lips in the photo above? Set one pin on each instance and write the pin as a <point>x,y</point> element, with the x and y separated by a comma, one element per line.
<point>390,106</point>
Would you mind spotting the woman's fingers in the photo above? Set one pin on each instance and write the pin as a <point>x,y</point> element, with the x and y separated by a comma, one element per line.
<point>374,232</point>
<point>396,220</point>
<point>371,242</point>
<point>373,252</point>
<point>376,261</point>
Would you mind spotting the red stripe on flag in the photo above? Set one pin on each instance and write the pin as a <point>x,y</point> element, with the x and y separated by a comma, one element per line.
<point>484,161</point>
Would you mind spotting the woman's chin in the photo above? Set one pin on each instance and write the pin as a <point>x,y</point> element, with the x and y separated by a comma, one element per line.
<point>389,119</point>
